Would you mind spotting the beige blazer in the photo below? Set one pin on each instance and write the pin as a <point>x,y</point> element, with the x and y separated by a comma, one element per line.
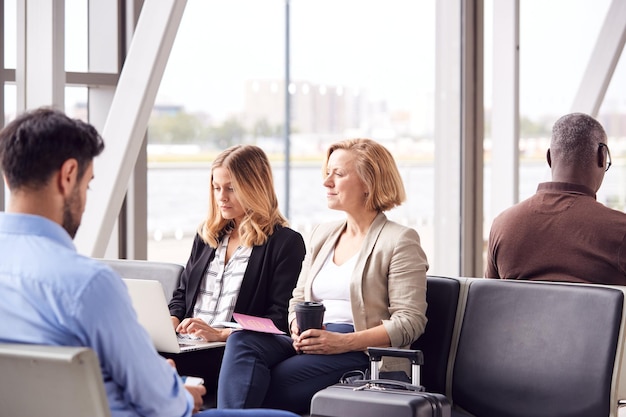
<point>388,285</point>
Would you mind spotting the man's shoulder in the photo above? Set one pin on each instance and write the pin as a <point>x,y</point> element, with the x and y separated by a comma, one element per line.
<point>609,215</point>
<point>71,260</point>
<point>521,208</point>
<point>75,272</point>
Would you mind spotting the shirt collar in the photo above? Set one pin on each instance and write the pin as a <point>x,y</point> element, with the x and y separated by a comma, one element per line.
<point>30,224</point>
<point>566,187</point>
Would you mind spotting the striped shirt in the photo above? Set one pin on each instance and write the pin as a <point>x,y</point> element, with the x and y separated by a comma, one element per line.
<point>220,286</point>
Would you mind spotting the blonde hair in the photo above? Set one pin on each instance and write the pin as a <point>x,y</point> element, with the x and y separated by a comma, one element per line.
<point>378,171</point>
<point>253,183</point>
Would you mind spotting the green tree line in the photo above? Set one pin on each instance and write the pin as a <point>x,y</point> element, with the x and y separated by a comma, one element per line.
<point>186,128</point>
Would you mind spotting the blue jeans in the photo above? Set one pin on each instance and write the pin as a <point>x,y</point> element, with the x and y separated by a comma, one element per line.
<point>264,370</point>
<point>245,413</point>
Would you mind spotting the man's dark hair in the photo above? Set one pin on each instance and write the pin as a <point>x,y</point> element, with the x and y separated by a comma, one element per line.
<point>38,142</point>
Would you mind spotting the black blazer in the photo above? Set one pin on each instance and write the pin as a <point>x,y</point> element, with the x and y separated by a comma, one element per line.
<point>270,277</point>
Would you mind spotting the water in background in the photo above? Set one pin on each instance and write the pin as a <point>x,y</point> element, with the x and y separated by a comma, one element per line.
<point>178,200</point>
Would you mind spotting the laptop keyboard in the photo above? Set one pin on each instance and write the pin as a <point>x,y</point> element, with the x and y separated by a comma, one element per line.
<point>186,338</point>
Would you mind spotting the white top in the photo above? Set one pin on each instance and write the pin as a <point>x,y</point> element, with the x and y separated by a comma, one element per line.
<point>220,286</point>
<point>331,286</point>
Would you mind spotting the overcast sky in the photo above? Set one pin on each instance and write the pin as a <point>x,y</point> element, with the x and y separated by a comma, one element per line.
<point>385,46</point>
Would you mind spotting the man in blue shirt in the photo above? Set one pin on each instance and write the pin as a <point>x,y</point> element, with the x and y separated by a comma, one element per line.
<point>52,295</point>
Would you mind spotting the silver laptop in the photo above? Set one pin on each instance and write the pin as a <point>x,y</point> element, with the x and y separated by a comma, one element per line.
<point>148,299</point>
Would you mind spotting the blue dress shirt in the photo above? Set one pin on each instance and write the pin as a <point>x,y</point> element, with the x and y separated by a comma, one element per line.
<point>54,296</point>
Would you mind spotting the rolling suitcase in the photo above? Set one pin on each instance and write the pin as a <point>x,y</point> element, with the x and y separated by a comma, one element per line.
<point>381,397</point>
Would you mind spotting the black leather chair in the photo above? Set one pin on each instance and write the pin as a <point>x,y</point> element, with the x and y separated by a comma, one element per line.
<point>442,295</point>
<point>538,349</point>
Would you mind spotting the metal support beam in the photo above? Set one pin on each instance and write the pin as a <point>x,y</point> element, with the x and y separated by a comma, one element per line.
<point>603,60</point>
<point>75,79</point>
<point>458,138</point>
<point>91,79</point>
<point>133,218</point>
<point>472,138</point>
<point>40,72</point>
<point>127,121</point>
<point>447,139</point>
<point>3,81</point>
<point>505,108</point>
<point>287,131</point>
<point>103,57</point>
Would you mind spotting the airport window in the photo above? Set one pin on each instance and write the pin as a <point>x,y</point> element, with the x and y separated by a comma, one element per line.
<point>553,56</point>
<point>357,69</point>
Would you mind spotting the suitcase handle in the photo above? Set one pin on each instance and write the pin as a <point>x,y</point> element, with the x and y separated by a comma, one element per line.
<point>415,356</point>
<point>383,384</point>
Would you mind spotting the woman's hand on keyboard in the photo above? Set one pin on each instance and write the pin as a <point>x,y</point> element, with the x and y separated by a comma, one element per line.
<point>198,328</point>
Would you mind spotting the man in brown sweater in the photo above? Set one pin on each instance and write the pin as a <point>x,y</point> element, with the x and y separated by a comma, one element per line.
<point>562,233</point>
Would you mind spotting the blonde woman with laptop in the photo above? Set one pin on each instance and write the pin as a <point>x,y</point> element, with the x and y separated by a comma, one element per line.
<point>244,258</point>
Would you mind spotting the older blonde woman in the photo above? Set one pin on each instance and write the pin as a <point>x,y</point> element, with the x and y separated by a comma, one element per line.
<point>369,272</point>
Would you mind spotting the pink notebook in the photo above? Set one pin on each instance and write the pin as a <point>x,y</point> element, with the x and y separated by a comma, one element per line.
<point>258,324</point>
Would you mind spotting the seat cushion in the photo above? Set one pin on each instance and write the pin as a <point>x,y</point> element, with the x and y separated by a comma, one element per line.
<point>537,349</point>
